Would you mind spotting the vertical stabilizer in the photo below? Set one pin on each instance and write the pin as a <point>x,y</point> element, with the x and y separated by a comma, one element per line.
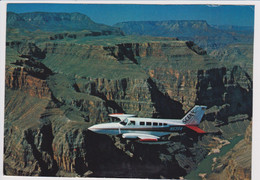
<point>194,116</point>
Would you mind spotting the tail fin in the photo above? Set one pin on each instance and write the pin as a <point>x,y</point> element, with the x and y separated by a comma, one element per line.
<point>194,116</point>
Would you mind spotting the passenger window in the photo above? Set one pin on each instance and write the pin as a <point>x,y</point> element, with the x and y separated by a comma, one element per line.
<point>155,124</point>
<point>160,124</point>
<point>165,124</point>
<point>141,123</point>
<point>132,123</point>
<point>148,123</point>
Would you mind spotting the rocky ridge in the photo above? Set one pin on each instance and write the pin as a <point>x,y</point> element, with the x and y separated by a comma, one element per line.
<point>57,22</point>
<point>209,37</point>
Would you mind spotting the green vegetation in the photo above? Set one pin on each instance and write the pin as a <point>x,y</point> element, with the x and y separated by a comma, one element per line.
<point>11,56</point>
<point>79,67</point>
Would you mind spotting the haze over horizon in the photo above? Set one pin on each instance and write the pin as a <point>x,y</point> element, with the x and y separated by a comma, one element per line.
<point>111,14</point>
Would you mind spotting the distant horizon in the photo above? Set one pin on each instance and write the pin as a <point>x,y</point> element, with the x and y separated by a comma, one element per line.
<point>223,15</point>
<point>141,20</point>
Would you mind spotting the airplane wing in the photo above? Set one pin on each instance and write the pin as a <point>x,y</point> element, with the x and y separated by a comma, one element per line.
<point>121,116</point>
<point>141,137</point>
<point>195,128</point>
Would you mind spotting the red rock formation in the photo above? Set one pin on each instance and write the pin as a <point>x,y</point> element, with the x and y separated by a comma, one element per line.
<point>19,79</point>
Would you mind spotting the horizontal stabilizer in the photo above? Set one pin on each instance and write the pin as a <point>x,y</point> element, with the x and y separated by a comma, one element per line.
<point>195,128</point>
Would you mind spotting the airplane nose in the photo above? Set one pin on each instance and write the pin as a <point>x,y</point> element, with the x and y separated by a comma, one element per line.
<point>105,128</point>
<point>93,128</point>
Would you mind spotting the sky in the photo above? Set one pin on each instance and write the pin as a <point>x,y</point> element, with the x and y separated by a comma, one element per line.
<point>113,13</point>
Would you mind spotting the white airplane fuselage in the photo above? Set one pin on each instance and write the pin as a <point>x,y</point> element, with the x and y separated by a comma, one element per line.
<point>156,127</point>
<point>150,129</point>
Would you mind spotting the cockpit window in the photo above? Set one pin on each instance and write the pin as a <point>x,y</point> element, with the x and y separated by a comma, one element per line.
<point>132,123</point>
<point>124,122</point>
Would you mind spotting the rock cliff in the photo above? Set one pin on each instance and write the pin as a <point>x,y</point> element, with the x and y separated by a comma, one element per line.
<point>30,76</point>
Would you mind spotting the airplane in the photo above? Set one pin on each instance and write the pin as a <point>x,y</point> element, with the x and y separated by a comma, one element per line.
<point>150,129</point>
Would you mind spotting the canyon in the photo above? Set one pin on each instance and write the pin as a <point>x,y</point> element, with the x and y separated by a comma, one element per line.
<point>59,85</point>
